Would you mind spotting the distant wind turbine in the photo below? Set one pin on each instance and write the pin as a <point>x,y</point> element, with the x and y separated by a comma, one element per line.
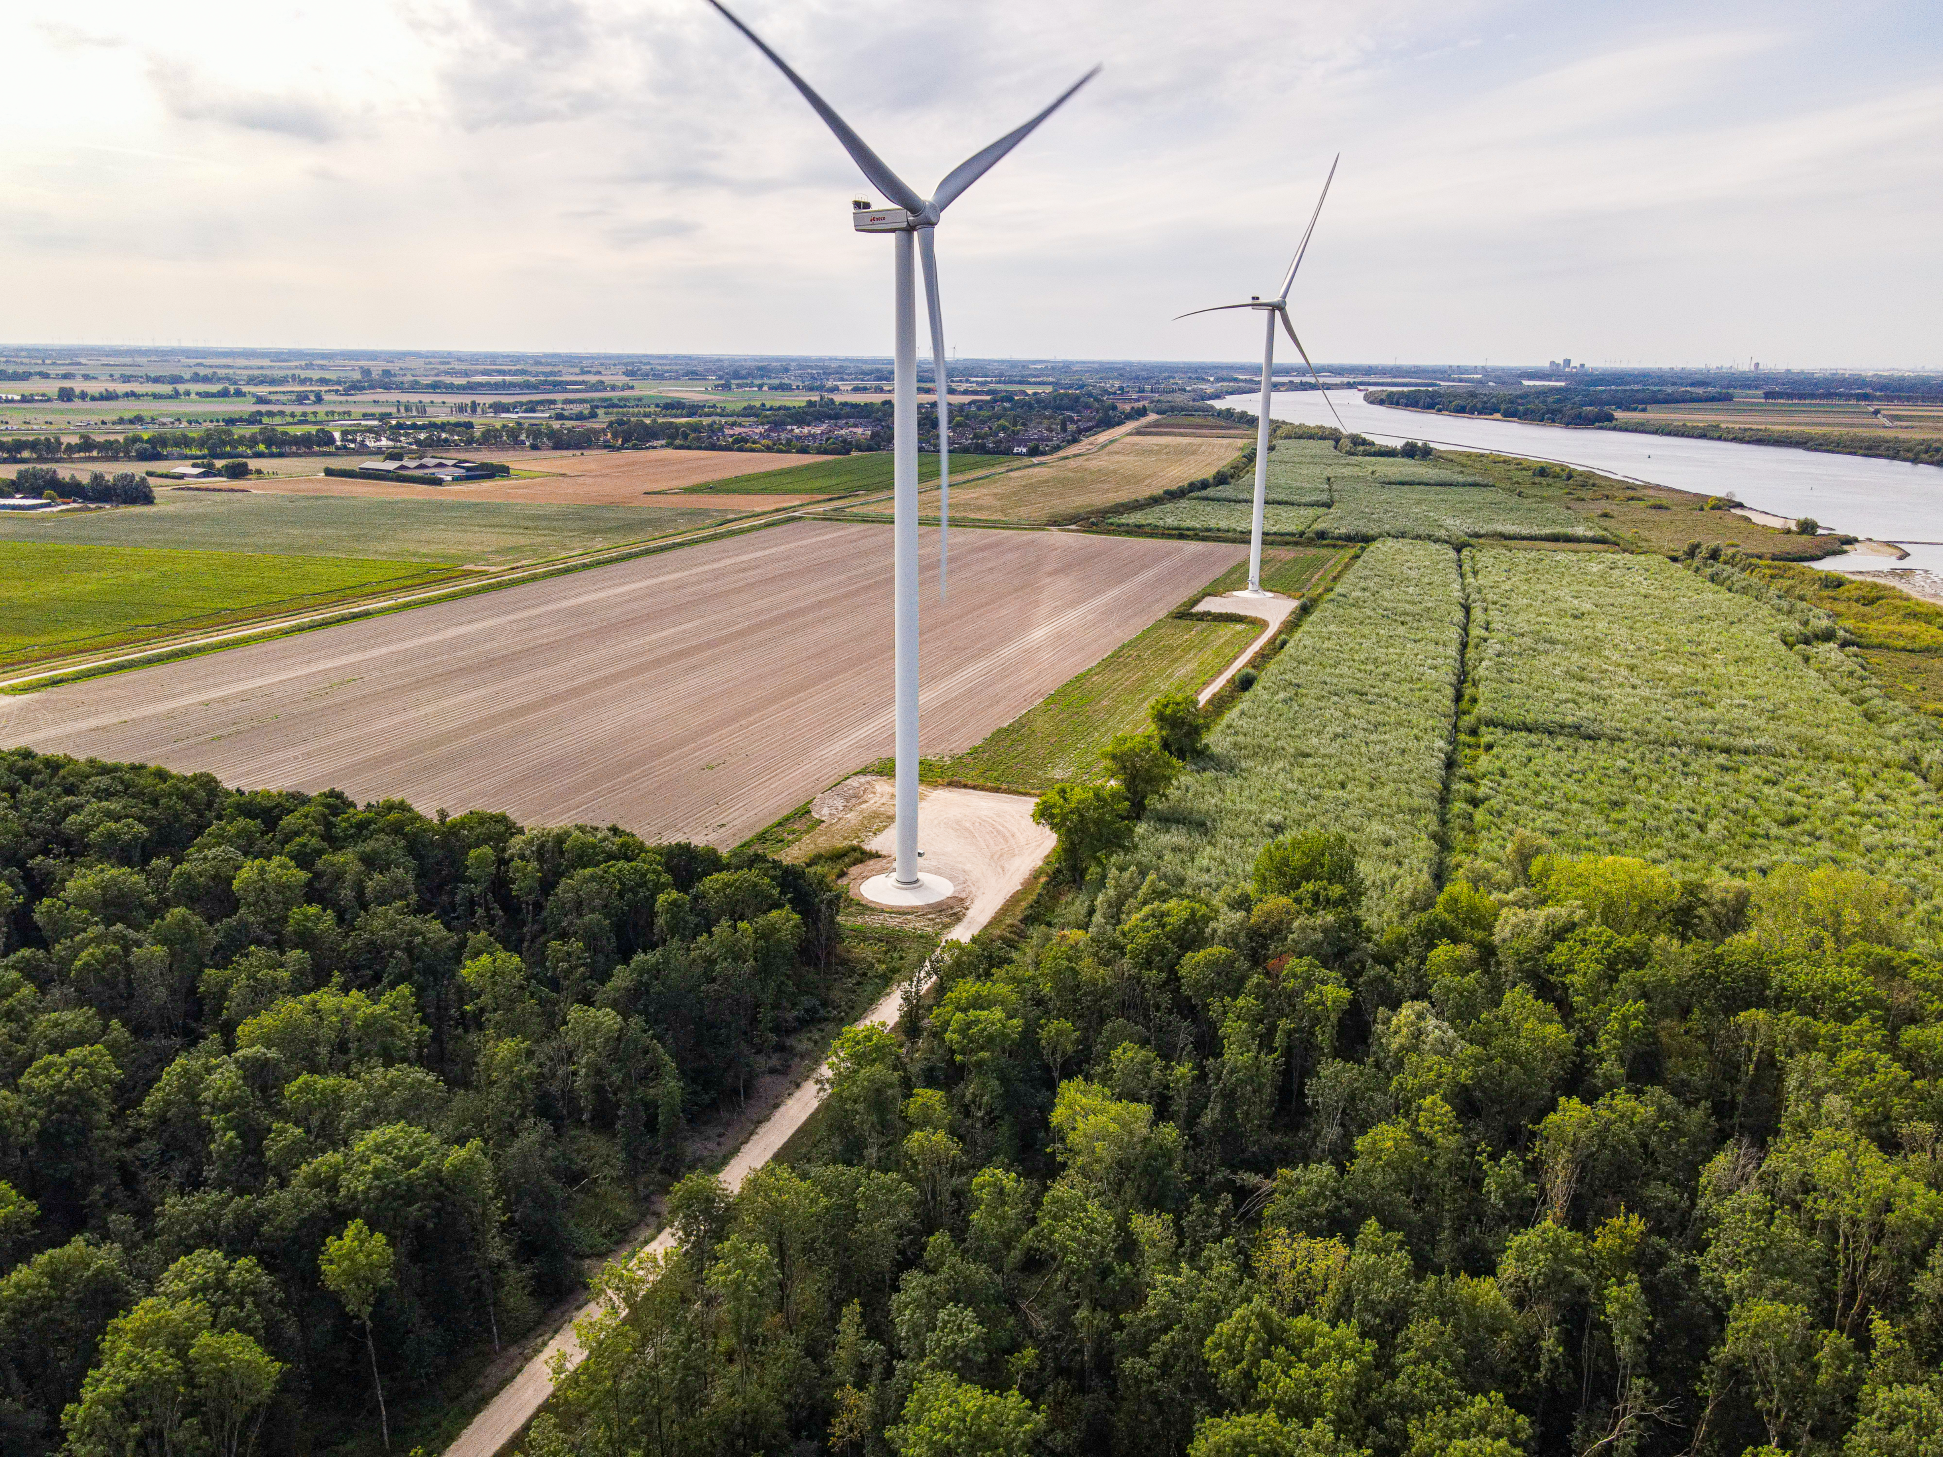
<point>1275,308</point>
<point>913,221</point>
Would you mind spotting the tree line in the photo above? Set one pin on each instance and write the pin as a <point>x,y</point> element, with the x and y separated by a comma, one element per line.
<point>1571,406</point>
<point>301,1101</point>
<point>124,488</point>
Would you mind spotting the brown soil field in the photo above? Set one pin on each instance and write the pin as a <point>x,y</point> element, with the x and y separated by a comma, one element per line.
<point>701,693</point>
<point>1191,425</point>
<point>592,478</point>
<point>1133,466</point>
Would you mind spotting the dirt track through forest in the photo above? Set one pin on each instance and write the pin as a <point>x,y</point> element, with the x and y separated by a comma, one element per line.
<point>696,694</point>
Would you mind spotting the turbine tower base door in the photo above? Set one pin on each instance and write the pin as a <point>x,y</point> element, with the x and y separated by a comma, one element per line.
<point>883,890</point>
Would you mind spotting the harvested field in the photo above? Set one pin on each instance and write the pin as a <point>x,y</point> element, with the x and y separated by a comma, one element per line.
<point>564,478</point>
<point>1193,425</point>
<point>1128,469</point>
<point>478,533</point>
<point>700,693</point>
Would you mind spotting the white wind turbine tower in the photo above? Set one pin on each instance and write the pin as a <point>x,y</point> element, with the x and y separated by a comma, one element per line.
<point>912,221</point>
<point>1275,308</point>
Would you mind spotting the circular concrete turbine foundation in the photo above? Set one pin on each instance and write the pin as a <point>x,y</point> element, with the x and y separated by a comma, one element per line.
<point>883,890</point>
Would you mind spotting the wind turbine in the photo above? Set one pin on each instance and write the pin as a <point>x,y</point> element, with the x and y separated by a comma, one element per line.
<point>912,221</point>
<point>1275,308</point>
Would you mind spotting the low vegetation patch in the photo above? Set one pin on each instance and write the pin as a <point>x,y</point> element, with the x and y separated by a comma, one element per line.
<point>57,598</point>
<point>1314,489</point>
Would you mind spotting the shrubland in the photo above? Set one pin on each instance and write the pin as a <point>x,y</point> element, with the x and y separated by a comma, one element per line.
<point>238,1030</point>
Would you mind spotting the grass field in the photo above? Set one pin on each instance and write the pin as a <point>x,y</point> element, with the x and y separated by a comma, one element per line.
<point>1127,469</point>
<point>1061,737</point>
<point>57,599</point>
<point>488,533</point>
<point>867,471</point>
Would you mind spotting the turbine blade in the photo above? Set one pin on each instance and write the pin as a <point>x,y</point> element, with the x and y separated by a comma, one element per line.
<point>1284,313</point>
<point>979,163</point>
<point>1303,246</point>
<point>928,256</point>
<point>868,162</point>
<point>1214,309</point>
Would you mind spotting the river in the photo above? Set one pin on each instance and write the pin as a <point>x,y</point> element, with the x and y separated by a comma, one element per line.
<point>1884,499</point>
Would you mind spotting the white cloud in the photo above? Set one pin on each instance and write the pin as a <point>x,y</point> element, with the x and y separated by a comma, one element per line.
<point>1518,179</point>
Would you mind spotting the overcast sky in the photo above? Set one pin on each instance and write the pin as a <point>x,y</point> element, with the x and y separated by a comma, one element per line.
<point>1642,182</point>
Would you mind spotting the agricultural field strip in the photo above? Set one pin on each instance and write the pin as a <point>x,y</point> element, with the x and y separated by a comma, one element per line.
<point>445,531</point>
<point>1634,647</point>
<point>1350,725</point>
<point>1314,488</point>
<point>1064,485</point>
<point>276,624</point>
<point>1060,738</point>
<point>695,694</point>
<point>59,599</point>
<point>1734,761</point>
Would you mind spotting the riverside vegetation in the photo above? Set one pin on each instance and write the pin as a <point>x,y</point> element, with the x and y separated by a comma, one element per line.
<point>302,1103</point>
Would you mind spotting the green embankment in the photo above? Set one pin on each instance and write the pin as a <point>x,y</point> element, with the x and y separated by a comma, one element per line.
<point>1061,737</point>
<point>58,598</point>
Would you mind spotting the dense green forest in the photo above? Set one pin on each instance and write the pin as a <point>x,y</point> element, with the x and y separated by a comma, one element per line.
<point>301,1101</point>
<point>1583,1157</point>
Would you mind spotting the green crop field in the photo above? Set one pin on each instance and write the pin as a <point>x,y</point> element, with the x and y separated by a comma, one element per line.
<point>1634,648</point>
<point>1349,728</point>
<point>1061,737</point>
<point>487,533</point>
<point>1314,490</point>
<point>57,599</point>
<point>866,471</point>
<point>1625,705</point>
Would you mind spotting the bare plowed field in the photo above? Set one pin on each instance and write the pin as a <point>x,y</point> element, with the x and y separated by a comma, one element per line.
<point>1130,468</point>
<point>700,693</point>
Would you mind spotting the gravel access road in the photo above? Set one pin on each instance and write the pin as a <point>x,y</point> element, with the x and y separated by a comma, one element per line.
<point>695,694</point>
